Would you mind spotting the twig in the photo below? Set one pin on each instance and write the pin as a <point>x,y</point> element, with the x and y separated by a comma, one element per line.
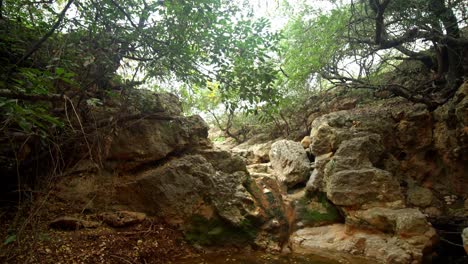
<point>81,127</point>
<point>450,242</point>
<point>123,259</point>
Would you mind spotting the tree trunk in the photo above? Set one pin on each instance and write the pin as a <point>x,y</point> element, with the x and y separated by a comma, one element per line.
<point>450,57</point>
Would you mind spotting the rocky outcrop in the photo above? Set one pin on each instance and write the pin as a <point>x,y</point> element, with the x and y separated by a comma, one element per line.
<point>150,140</point>
<point>375,176</point>
<point>254,152</point>
<point>290,162</point>
<point>164,166</point>
<point>375,164</point>
<point>343,243</point>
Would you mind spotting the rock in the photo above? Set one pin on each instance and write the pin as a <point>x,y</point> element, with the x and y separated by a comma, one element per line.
<point>188,186</point>
<point>254,153</point>
<point>290,163</point>
<point>223,160</point>
<point>433,211</point>
<point>305,142</point>
<point>260,168</point>
<point>465,239</point>
<point>345,244</point>
<point>405,222</point>
<point>328,131</point>
<point>147,101</point>
<point>360,152</point>
<point>122,218</point>
<point>419,196</point>
<point>367,186</point>
<point>313,211</point>
<point>151,140</point>
<point>415,131</point>
<point>72,223</point>
<point>315,182</point>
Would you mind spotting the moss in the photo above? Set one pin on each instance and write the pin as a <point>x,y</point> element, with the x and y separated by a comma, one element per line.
<point>314,216</point>
<point>208,232</point>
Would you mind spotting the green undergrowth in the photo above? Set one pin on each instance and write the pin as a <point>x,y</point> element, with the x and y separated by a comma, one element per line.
<point>210,232</point>
<point>315,216</point>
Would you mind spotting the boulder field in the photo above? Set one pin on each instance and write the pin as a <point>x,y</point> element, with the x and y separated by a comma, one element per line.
<point>364,184</point>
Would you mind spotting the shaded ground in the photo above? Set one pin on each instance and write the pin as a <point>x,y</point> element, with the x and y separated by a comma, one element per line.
<point>149,242</point>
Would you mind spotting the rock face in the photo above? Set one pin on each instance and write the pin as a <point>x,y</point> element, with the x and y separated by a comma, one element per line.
<point>254,152</point>
<point>151,140</point>
<point>343,243</point>
<point>380,166</point>
<point>375,171</point>
<point>164,166</point>
<point>290,162</point>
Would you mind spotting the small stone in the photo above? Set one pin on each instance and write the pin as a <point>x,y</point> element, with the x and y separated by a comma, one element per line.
<point>122,218</point>
<point>305,142</point>
<point>419,196</point>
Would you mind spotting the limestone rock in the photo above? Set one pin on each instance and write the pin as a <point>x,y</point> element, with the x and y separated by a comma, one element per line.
<point>306,141</point>
<point>328,131</point>
<point>254,153</point>
<point>419,196</point>
<point>367,186</point>
<point>150,140</point>
<point>190,185</point>
<point>122,218</point>
<point>315,182</point>
<point>404,222</point>
<point>290,163</point>
<point>260,168</point>
<point>344,244</point>
<point>147,101</point>
<point>359,152</point>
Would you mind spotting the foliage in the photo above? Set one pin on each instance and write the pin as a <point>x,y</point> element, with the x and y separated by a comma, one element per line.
<point>312,216</point>
<point>354,44</point>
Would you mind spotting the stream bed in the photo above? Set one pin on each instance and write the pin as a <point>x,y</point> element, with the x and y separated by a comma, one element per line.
<point>255,258</point>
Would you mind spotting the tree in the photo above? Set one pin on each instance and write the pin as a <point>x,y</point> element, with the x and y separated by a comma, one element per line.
<point>371,35</point>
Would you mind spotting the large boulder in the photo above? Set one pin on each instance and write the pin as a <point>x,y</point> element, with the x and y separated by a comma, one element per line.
<point>150,140</point>
<point>363,187</point>
<point>188,186</point>
<point>254,152</point>
<point>290,162</point>
<point>404,222</point>
<point>347,244</point>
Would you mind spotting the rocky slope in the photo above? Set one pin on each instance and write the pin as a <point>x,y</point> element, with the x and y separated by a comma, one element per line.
<point>365,183</point>
<point>380,174</point>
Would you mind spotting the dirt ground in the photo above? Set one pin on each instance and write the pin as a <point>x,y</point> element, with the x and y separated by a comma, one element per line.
<point>148,242</point>
<point>26,237</point>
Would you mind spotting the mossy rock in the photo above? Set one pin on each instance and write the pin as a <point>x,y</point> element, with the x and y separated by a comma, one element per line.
<point>317,211</point>
<point>215,231</point>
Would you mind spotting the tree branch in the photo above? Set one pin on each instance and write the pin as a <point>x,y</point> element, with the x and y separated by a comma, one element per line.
<point>31,97</point>
<point>47,35</point>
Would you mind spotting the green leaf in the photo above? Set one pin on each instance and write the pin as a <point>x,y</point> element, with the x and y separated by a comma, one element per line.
<point>59,71</point>
<point>10,239</point>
